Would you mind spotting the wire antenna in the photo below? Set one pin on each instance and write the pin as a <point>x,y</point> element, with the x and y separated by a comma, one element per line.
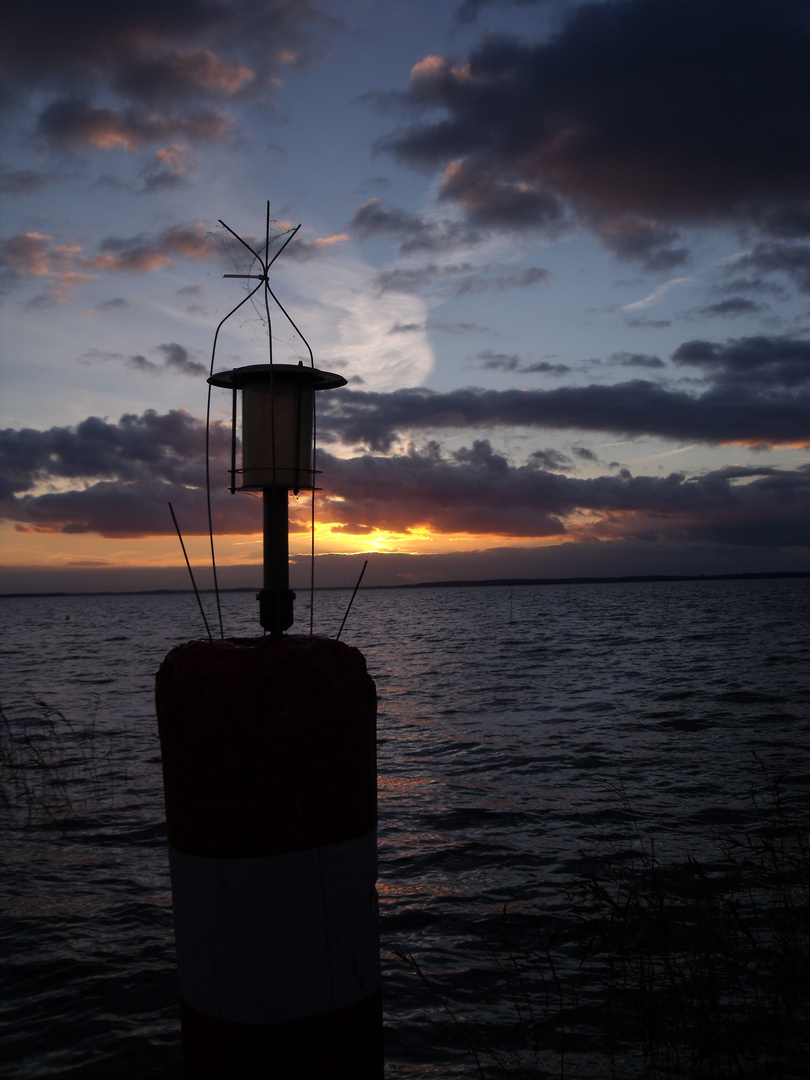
<point>191,573</point>
<point>349,608</point>
<point>261,279</point>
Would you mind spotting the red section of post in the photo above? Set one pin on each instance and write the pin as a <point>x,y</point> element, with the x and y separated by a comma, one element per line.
<point>269,764</point>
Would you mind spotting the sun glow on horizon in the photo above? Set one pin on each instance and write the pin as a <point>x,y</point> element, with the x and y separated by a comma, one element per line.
<point>82,550</point>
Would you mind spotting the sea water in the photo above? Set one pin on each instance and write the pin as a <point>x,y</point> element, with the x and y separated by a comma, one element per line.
<point>517,727</point>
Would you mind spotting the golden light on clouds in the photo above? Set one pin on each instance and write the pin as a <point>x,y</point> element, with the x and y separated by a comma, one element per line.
<point>63,550</point>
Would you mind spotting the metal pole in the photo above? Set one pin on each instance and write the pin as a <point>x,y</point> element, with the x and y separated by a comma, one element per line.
<point>275,598</point>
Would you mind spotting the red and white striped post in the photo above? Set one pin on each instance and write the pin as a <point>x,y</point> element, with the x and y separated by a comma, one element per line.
<point>270,780</point>
<point>269,764</point>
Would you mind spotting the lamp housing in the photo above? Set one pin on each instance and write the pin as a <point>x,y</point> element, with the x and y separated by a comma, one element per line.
<point>278,405</point>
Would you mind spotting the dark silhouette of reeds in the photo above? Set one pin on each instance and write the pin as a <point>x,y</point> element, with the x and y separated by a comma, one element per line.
<point>54,769</point>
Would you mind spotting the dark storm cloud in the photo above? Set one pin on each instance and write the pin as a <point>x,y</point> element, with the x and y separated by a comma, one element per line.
<point>136,71</point>
<point>637,116</point>
<point>124,475</point>
<point>756,391</point>
<point>480,492</point>
<point>167,447</point>
<point>758,364</point>
<point>488,199</point>
<point>121,476</point>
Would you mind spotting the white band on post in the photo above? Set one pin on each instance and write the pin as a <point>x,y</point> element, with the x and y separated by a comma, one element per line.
<point>266,940</point>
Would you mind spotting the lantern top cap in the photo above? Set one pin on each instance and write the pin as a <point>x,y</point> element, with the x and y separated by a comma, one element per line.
<point>284,374</point>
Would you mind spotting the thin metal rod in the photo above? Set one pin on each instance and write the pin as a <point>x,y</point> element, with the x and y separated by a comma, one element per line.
<point>244,243</point>
<point>349,608</point>
<point>312,564</point>
<point>233,442</point>
<point>289,238</point>
<point>292,324</point>
<point>312,522</point>
<point>190,573</point>
<point>208,453</point>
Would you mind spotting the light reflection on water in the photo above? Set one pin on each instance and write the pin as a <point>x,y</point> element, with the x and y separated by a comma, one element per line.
<point>513,724</point>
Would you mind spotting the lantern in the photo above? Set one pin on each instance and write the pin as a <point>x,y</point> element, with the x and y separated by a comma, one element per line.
<point>278,455</point>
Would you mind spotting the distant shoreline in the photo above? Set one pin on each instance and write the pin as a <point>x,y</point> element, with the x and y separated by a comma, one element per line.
<point>461,584</point>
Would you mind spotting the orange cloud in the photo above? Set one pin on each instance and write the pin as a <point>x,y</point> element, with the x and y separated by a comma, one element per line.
<point>65,267</point>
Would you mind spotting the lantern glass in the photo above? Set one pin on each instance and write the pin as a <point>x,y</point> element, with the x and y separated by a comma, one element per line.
<point>278,413</point>
<point>277,446</point>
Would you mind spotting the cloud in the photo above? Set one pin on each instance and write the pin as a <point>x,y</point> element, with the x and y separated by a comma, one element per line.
<point>584,454</point>
<point>793,260</point>
<point>634,239</point>
<point>468,10</point>
<point>63,266</point>
<point>120,476</point>
<point>143,254</point>
<point>492,361</point>
<point>489,199</point>
<point>413,232</point>
<point>303,250</point>
<point>769,364</point>
<point>756,392</point>
<point>550,459</point>
<point>735,305</point>
<point>178,359</point>
<point>406,328</point>
<point>116,479</point>
<point>520,279</point>
<point>648,324</point>
<point>168,167</point>
<point>23,181</point>
<point>174,359</point>
<point>115,303</point>
<point>416,279</point>
<point>132,73</point>
<point>60,267</point>
<point>479,492</point>
<point>456,279</point>
<point>461,328</point>
<point>77,123</point>
<point>636,118</point>
<point>641,360</point>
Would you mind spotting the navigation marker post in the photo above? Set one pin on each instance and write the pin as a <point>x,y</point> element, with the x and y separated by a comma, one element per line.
<point>269,765</point>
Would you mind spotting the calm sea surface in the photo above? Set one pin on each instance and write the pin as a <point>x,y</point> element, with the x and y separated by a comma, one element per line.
<point>517,728</point>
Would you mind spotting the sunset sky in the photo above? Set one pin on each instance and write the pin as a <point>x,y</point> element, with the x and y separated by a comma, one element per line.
<point>560,251</point>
